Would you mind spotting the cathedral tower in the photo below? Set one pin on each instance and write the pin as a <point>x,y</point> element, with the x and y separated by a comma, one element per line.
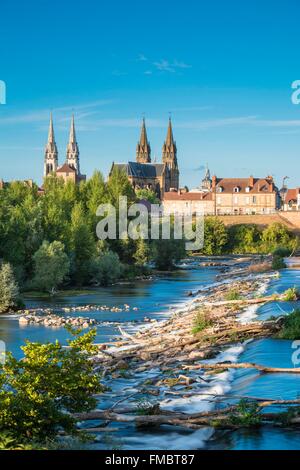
<point>51,154</point>
<point>72,149</point>
<point>143,150</point>
<point>169,157</point>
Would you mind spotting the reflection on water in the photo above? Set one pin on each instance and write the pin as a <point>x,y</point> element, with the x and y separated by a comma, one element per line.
<point>153,299</point>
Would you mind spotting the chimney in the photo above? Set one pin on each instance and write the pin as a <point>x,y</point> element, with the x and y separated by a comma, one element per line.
<point>214,182</point>
<point>251,181</point>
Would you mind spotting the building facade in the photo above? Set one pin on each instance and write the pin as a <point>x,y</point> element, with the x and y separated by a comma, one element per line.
<point>70,170</point>
<point>145,174</point>
<point>227,196</point>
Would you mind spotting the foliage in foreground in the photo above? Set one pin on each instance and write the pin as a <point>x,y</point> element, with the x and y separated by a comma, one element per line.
<point>247,414</point>
<point>39,392</point>
<point>291,326</point>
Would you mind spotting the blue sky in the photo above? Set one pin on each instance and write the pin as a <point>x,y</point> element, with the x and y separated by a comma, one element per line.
<point>223,69</point>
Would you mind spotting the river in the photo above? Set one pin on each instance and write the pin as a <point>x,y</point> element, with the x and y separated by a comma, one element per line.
<point>156,299</point>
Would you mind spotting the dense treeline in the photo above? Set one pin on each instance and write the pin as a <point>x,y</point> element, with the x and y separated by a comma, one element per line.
<point>50,240</point>
<point>246,238</point>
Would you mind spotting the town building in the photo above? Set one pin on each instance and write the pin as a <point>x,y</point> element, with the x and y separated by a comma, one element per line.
<point>145,174</point>
<point>70,170</point>
<point>226,196</point>
<point>291,200</point>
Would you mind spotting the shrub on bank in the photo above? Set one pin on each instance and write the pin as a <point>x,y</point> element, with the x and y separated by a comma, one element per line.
<point>9,290</point>
<point>278,263</point>
<point>291,326</point>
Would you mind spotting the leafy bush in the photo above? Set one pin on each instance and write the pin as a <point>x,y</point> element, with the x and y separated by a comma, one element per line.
<point>39,391</point>
<point>278,263</point>
<point>291,326</point>
<point>51,266</point>
<point>247,413</point>
<point>215,236</point>
<point>106,269</point>
<point>282,252</point>
<point>275,236</point>
<point>291,294</point>
<point>201,322</point>
<point>233,294</point>
<point>244,238</point>
<point>166,253</point>
<point>9,291</point>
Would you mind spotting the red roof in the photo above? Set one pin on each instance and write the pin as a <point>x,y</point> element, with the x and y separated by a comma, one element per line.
<point>291,194</point>
<point>254,184</point>
<point>65,169</point>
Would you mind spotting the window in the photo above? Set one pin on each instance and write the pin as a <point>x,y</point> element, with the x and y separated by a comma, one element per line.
<point>218,200</point>
<point>254,199</point>
<point>236,189</point>
<point>219,189</point>
<point>235,200</point>
<point>247,189</point>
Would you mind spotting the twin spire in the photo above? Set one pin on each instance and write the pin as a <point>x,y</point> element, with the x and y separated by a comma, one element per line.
<point>51,153</point>
<point>169,150</point>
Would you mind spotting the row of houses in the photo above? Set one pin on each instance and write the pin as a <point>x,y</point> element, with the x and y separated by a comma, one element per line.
<point>226,196</point>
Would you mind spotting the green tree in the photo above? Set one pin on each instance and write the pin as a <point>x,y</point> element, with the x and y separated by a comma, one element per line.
<point>9,291</point>
<point>106,269</point>
<point>244,238</point>
<point>215,236</point>
<point>147,195</point>
<point>166,253</point>
<point>118,185</point>
<point>51,266</point>
<point>142,252</point>
<point>39,392</point>
<point>274,236</point>
<point>93,193</point>
<point>82,245</point>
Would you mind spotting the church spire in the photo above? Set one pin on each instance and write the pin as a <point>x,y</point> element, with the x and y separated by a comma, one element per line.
<point>169,152</point>
<point>51,154</point>
<point>72,148</point>
<point>51,138</point>
<point>169,157</point>
<point>143,149</point>
<point>170,139</point>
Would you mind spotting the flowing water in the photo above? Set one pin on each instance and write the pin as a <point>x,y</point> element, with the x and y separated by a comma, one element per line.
<point>156,299</point>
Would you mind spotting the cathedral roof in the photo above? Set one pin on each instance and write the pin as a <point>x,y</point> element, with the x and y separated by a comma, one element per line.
<point>142,170</point>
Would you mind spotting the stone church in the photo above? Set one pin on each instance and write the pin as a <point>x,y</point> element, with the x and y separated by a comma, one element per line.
<point>70,170</point>
<point>159,177</point>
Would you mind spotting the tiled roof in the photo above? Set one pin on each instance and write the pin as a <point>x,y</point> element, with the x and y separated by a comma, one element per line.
<point>254,184</point>
<point>291,194</point>
<point>65,169</point>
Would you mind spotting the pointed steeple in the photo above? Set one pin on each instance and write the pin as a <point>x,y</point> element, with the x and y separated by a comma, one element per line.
<point>143,149</point>
<point>169,158</point>
<point>51,154</point>
<point>51,138</point>
<point>169,151</point>
<point>72,148</point>
<point>72,138</point>
<point>170,139</point>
